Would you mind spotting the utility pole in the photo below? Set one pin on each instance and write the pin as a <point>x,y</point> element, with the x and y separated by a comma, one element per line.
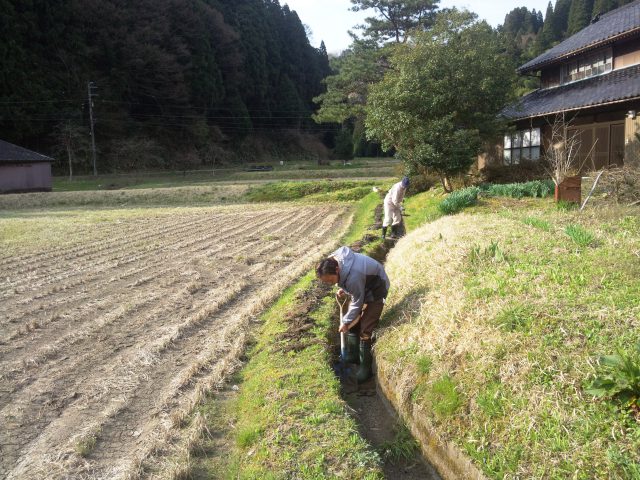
<point>90,87</point>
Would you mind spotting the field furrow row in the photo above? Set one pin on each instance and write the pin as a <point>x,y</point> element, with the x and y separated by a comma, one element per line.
<point>123,350</point>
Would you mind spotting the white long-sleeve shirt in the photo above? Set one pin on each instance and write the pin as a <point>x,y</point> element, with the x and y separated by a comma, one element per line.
<point>395,195</point>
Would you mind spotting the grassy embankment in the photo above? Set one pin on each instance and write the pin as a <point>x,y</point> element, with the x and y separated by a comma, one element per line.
<point>496,321</point>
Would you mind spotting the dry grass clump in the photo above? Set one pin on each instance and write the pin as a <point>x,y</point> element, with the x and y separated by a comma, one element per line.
<point>620,186</point>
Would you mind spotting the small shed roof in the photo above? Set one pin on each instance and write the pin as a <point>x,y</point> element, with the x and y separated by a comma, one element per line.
<point>616,86</point>
<point>10,153</point>
<point>624,21</point>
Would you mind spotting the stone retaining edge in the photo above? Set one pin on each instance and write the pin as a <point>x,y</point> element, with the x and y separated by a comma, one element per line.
<point>450,462</point>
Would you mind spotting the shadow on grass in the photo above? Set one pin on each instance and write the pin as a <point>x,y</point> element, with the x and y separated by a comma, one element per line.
<point>406,309</point>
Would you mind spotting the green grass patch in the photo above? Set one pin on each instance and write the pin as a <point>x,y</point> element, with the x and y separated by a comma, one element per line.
<point>363,218</point>
<point>317,190</point>
<point>402,447</point>
<point>422,208</point>
<point>424,364</point>
<point>537,223</point>
<point>515,318</point>
<point>459,200</point>
<point>492,400</point>
<point>564,206</point>
<point>444,397</point>
<point>579,235</point>
<point>348,195</point>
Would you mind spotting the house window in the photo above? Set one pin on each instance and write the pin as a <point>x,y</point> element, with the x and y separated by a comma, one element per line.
<point>588,66</point>
<point>522,145</point>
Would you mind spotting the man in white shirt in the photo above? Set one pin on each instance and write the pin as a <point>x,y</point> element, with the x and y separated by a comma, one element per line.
<point>392,211</point>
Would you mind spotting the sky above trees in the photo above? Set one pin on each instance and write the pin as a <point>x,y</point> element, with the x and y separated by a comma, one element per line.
<point>329,20</point>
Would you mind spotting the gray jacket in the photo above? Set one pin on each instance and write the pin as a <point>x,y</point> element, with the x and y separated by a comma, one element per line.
<point>363,278</point>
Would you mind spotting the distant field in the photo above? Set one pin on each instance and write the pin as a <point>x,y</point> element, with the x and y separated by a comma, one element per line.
<point>115,322</point>
<point>181,195</point>
<point>359,168</point>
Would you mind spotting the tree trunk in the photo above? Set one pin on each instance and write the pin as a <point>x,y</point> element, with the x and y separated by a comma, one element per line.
<point>446,183</point>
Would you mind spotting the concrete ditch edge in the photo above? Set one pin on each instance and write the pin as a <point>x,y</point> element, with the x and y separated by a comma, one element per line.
<point>446,457</point>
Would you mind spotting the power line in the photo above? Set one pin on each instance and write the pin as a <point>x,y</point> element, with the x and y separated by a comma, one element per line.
<point>26,102</point>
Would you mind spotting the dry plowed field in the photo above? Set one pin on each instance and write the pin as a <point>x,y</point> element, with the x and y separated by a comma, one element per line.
<point>106,343</point>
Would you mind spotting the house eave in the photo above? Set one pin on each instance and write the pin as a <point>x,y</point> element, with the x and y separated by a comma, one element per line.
<point>573,53</point>
<point>585,107</point>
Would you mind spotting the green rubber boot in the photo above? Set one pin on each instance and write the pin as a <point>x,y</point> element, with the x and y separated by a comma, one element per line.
<point>352,348</point>
<point>364,370</point>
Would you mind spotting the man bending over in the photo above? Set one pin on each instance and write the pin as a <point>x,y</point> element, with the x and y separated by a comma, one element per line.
<point>365,282</point>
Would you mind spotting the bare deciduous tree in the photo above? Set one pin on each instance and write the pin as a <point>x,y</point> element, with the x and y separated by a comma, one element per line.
<point>562,150</point>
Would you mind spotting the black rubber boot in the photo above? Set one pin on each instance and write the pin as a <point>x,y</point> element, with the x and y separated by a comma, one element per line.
<point>364,370</point>
<point>394,231</point>
<point>384,232</point>
<point>352,348</point>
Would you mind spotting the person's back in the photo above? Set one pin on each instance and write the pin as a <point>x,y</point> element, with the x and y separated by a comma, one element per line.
<point>363,277</point>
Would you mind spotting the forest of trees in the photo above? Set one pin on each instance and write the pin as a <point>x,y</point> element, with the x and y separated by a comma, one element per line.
<point>188,83</point>
<point>177,80</point>
<point>528,33</point>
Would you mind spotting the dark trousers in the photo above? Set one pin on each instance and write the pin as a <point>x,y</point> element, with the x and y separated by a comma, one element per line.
<point>368,320</point>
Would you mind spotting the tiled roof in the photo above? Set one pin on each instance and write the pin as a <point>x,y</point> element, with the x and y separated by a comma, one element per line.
<point>619,85</point>
<point>624,20</point>
<point>10,153</point>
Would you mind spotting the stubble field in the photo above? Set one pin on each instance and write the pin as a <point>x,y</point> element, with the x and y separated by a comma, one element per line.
<point>112,329</point>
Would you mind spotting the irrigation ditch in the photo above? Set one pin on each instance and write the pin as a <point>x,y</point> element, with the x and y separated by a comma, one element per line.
<point>378,422</point>
<point>301,337</point>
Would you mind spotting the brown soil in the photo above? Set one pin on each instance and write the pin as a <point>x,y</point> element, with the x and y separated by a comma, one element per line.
<point>106,343</point>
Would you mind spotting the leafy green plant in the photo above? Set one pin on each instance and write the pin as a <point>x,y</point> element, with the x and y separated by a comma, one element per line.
<point>491,252</point>
<point>402,447</point>
<point>534,189</point>
<point>579,235</point>
<point>619,378</point>
<point>459,199</point>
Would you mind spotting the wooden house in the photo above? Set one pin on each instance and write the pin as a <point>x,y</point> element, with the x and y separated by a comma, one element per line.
<point>22,170</point>
<point>593,78</point>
